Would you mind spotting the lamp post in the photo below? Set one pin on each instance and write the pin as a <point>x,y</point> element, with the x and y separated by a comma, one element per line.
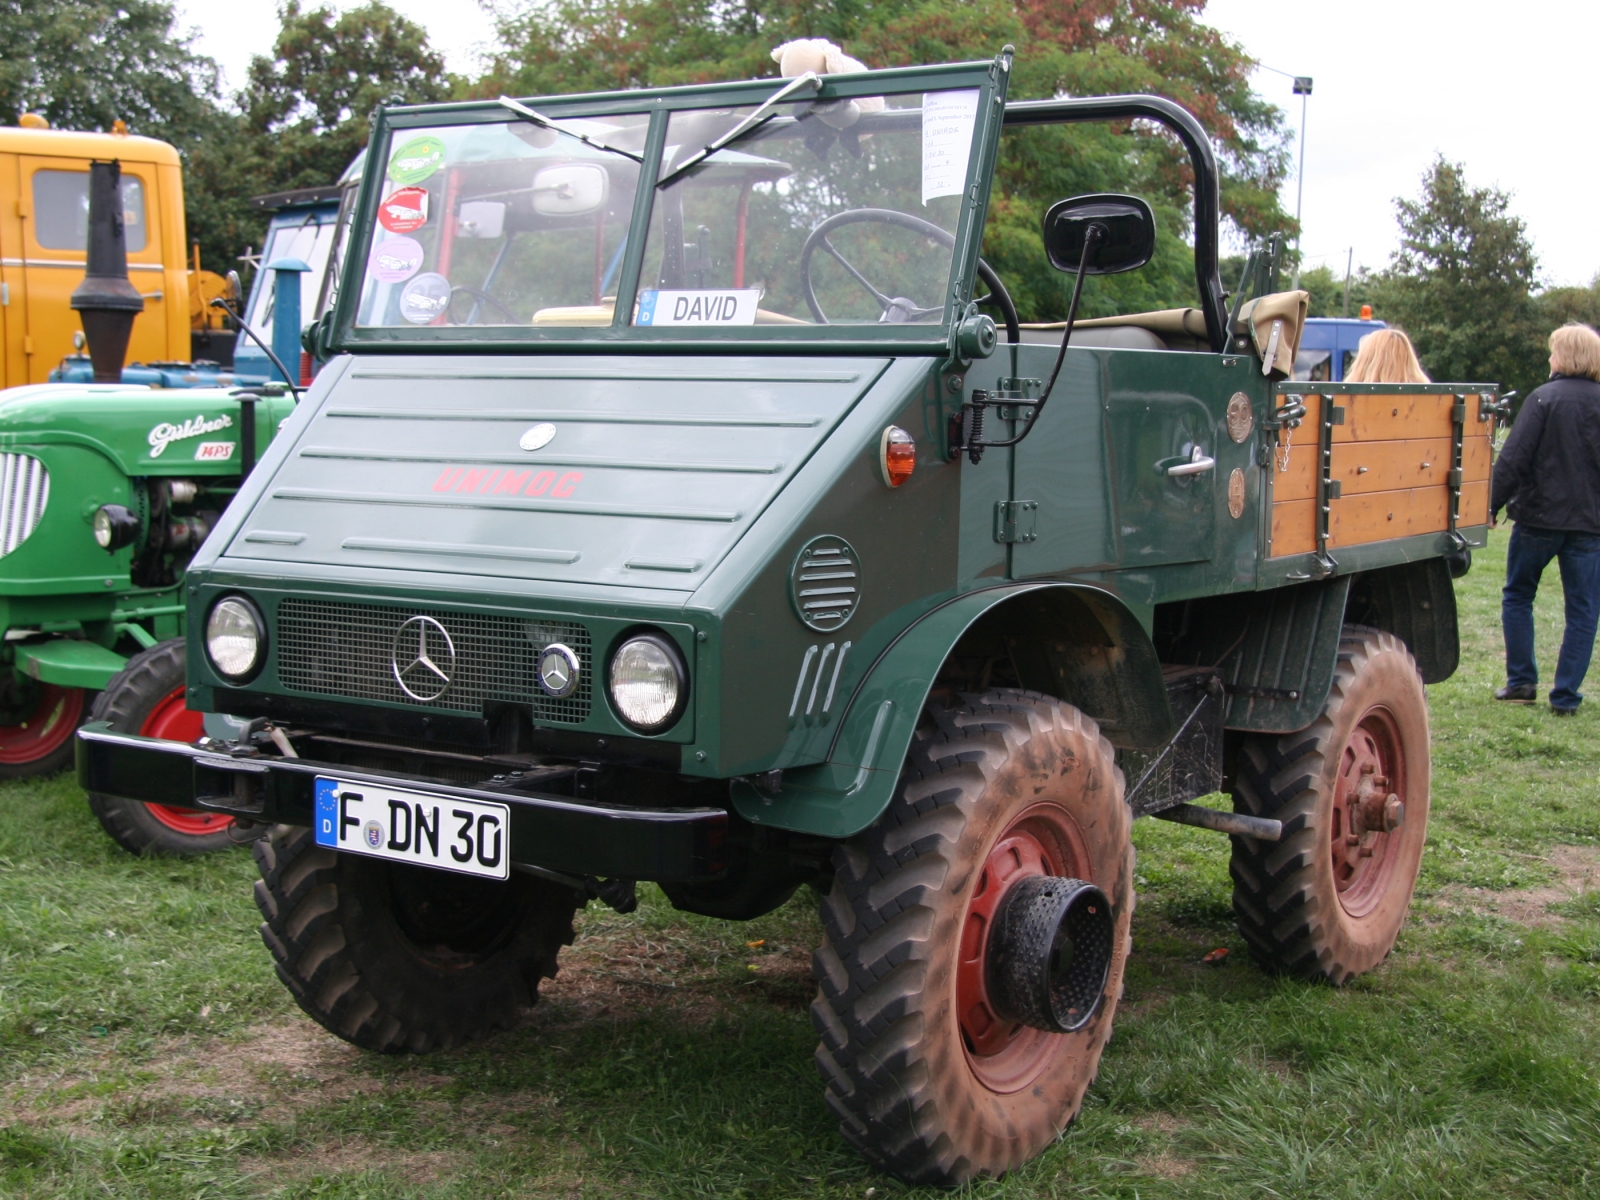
<point>1302,88</point>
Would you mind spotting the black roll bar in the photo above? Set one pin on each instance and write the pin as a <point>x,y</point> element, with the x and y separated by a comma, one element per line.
<point>1207,189</point>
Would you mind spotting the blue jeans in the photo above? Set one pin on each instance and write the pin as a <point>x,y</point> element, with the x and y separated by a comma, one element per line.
<point>1530,553</point>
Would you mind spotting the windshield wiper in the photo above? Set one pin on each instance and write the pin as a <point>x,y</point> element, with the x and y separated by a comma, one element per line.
<point>544,122</point>
<point>759,117</point>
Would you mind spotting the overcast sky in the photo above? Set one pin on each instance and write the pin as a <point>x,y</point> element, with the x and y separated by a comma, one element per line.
<point>1508,89</point>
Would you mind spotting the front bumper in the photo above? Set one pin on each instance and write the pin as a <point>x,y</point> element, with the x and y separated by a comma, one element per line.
<point>553,832</point>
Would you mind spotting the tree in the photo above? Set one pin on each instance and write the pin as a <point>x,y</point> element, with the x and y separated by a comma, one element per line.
<point>86,63</point>
<point>309,106</point>
<point>1065,47</point>
<point>1462,282</point>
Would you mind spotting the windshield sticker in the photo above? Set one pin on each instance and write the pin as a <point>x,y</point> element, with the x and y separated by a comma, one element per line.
<point>405,210</point>
<point>164,434</point>
<point>416,160</point>
<point>731,307</point>
<point>948,119</point>
<point>213,451</point>
<point>425,298</point>
<point>395,259</point>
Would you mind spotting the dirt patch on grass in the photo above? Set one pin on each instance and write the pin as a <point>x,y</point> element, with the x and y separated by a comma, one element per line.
<point>1577,870</point>
<point>351,1157</point>
<point>1161,1122</point>
<point>1164,1165</point>
<point>623,972</point>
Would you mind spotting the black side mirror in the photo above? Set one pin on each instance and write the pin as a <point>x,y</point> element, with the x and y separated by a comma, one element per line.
<point>1127,240</point>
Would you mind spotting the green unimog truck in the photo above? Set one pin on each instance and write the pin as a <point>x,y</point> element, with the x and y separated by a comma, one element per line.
<point>671,508</point>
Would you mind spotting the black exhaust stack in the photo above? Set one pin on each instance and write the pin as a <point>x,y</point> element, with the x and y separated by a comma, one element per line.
<point>106,301</point>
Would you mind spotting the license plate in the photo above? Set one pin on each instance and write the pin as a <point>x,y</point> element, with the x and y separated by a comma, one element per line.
<point>470,836</point>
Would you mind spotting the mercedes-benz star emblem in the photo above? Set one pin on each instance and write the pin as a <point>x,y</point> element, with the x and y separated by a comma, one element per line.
<point>423,658</point>
<point>558,670</point>
<point>537,437</point>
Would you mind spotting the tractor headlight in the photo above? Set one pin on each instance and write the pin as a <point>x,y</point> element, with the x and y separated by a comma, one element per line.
<point>236,638</point>
<point>114,527</point>
<point>649,682</point>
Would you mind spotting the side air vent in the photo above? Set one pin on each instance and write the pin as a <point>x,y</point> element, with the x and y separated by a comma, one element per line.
<point>24,491</point>
<point>825,583</point>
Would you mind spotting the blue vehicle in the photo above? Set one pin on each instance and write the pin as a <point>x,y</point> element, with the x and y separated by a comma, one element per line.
<point>1328,346</point>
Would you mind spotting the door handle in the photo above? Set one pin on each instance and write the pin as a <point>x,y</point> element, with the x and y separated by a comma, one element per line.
<point>1198,464</point>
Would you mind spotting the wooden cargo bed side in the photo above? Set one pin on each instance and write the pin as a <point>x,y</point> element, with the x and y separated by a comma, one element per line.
<point>1389,465</point>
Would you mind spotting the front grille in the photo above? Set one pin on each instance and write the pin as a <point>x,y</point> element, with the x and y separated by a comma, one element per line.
<point>24,491</point>
<point>346,650</point>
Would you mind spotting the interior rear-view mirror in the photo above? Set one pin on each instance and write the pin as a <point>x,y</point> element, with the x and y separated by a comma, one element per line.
<point>570,190</point>
<point>481,218</point>
<point>1126,242</point>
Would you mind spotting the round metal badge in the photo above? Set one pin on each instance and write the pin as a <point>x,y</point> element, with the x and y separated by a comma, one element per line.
<point>537,437</point>
<point>558,671</point>
<point>1241,417</point>
<point>1236,493</point>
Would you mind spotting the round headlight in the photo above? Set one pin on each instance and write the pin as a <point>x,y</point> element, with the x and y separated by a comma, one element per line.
<point>649,683</point>
<point>235,638</point>
<point>114,527</point>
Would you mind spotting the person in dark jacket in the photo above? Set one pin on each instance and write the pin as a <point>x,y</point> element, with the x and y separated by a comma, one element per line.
<point>1548,479</point>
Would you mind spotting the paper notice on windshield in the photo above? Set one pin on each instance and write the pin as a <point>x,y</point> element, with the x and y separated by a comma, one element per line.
<point>732,306</point>
<point>947,122</point>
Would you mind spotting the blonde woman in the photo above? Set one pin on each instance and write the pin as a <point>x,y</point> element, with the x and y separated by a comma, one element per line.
<point>1386,356</point>
<point>1548,478</point>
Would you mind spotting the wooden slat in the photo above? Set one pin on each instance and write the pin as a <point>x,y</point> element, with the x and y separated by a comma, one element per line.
<point>1388,466</point>
<point>1380,516</point>
<point>1294,528</point>
<point>1477,460</point>
<point>1394,418</point>
<point>1299,482</point>
<point>1474,503</point>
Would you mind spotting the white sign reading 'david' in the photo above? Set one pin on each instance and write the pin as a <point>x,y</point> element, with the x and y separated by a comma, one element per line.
<point>948,119</point>
<point>731,306</point>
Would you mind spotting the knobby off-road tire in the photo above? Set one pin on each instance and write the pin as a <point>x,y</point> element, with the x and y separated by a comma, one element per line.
<point>147,697</point>
<point>399,958</point>
<point>1328,900</point>
<point>926,1083</point>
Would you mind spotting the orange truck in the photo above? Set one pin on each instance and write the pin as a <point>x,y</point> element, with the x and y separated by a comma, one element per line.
<point>44,212</point>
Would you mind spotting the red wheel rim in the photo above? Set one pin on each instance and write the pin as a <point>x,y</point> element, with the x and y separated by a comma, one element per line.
<point>45,729</point>
<point>1371,768</point>
<point>172,720</point>
<point>1043,840</point>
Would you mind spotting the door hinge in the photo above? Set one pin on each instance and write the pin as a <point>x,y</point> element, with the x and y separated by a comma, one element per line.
<point>1016,521</point>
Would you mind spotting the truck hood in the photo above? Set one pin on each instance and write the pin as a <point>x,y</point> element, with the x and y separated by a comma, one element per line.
<point>639,472</point>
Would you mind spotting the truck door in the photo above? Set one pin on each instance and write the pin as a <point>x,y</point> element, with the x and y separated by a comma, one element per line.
<point>1161,434</point>
<point>54,203</point>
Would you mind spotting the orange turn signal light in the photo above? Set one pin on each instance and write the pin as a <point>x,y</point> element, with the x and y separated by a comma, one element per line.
<point>897,456</point>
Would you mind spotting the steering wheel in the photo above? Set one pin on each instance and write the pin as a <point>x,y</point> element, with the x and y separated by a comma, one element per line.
<point>896,309</point>
<point>483,298</point>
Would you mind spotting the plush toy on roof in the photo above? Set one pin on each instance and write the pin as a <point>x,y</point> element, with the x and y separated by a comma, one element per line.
<point>822,56</point>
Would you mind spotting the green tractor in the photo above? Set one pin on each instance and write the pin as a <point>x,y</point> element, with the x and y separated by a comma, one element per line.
<point>670,507</point>
<point>107,490</point>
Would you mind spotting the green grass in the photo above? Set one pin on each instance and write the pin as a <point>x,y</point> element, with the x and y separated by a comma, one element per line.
<point>147,1050</point>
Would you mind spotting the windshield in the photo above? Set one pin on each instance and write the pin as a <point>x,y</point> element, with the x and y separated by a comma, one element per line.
<point>306,236</point>
<point>817,212</point>
<point>504,224</point>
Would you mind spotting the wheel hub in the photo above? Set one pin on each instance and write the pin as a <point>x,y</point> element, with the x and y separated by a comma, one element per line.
<point>1368,807</point>
<point>1061,964</point>
<point>1050,953</point>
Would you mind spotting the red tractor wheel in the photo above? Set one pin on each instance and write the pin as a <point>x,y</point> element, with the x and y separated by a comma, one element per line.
<point>37,721</point>
<point>1328,901</point>
<point>147,697</point>
<point>975,941</point>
